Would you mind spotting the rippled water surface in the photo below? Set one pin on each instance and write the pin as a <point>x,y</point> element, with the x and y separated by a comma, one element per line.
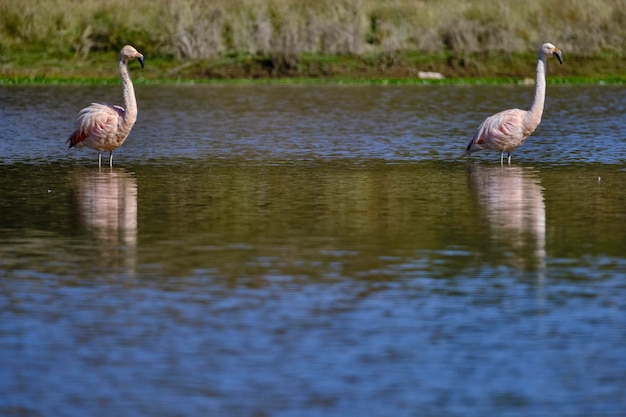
<point>313,250</point>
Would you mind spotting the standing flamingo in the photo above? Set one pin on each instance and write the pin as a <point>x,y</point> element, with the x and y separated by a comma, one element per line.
<point>506,131</point>
<point>103,126</point>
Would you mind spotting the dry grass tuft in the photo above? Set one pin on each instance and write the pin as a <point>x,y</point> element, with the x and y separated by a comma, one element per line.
<point>284,30</point>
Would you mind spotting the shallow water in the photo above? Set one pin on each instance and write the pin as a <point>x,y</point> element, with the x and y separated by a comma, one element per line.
<point>269,250</point>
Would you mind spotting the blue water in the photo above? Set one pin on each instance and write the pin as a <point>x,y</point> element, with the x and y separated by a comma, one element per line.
<point>266,250</point>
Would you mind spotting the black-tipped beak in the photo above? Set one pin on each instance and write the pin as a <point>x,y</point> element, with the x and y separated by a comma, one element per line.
<point>140,59</point>
<point>557,53</point>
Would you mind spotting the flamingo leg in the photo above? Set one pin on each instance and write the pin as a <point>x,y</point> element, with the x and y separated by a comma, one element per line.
<point>111,159</point>
<point>509,159</point>
<point>501,158</point>
<point>99,159</point>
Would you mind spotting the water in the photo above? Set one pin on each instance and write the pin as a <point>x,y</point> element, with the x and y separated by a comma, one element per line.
<point>267,250</point>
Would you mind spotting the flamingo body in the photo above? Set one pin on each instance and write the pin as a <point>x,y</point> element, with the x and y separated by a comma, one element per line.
<point>103,126</point>
<point>506,131</point>
<point>99,127</point>
<point>502,132</point>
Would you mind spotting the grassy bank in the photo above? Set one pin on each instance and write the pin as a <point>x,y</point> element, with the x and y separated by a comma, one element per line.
<point>100,68</point>
<point>325,39</point>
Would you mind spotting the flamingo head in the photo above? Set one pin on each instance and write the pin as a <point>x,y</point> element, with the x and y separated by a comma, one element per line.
<point>547,49</point>
<point>129,53</point>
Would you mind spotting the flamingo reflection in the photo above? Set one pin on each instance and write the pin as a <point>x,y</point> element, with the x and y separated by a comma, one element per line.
<point>511,200</point>
<point>107,205</point>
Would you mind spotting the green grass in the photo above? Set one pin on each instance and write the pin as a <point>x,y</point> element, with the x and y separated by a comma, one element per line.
<point>101,68</point>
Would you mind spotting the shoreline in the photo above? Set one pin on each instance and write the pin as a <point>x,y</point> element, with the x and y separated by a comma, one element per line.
<point>409,68</point>
<point>43,80</point>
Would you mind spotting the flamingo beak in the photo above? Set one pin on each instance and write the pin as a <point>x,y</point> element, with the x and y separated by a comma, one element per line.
<point>557,53</point>
<point>140,59</point>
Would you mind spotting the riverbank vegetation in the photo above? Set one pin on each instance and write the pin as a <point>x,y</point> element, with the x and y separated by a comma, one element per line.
<point>352,39</point>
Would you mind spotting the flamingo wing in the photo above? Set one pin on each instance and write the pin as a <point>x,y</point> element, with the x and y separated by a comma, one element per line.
<point>96,125</point>
<point>501,132</point>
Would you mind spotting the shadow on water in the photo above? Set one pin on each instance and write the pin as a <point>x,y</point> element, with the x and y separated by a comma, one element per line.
<point>511,200</point>
<point>106,202</point>
<point>459,217</point>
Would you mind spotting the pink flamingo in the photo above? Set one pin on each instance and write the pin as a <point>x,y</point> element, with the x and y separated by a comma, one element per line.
<point>103,126</point>
<point>506,131</point>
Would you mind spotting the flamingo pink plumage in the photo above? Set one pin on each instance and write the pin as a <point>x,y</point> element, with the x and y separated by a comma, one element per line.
<point>103,126</point>
<point>506,131</point>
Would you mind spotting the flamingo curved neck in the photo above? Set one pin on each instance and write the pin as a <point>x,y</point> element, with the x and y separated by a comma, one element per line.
<point>533,117</point>
<point>130,102</point>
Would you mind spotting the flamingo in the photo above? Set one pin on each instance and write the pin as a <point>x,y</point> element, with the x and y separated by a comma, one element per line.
<point>103,126</point>
<point>506,131</point>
